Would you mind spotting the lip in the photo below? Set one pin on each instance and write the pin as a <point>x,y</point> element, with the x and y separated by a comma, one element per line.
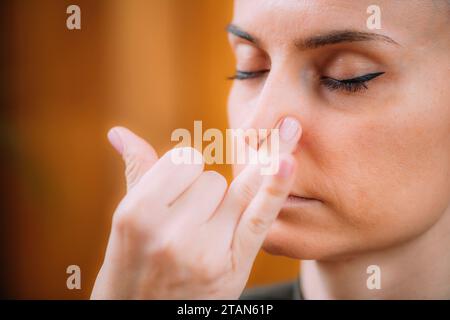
<point>294,200</point>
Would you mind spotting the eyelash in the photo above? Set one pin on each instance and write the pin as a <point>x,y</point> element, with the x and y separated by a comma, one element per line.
<point>349,85</point>
<point>245,75</point>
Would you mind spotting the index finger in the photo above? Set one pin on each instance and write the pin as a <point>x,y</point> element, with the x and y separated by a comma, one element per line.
<point>246,185</point>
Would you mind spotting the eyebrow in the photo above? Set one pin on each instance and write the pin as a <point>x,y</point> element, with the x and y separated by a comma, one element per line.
<point>238,32</point>
<point>321,40</point>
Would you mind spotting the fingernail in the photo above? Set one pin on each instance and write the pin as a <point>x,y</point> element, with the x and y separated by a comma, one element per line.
<point>114,139</point>
<point>285,168</point>
<point>288,129</point>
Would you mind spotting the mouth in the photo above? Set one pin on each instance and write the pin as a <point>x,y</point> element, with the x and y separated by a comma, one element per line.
<point>295,200</point>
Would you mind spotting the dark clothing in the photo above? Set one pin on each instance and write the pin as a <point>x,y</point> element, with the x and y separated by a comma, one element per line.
<point>279,291</point>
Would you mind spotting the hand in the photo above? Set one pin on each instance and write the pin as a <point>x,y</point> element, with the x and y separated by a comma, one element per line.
<point>180,233</point>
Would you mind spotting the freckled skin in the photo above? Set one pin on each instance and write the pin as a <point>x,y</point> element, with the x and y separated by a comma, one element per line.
<point>379,159</point>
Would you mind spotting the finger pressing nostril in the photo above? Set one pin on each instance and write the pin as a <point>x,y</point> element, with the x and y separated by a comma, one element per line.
<point>289,128</point>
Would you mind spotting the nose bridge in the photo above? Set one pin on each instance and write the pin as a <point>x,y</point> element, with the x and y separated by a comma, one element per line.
<point>277,99</point>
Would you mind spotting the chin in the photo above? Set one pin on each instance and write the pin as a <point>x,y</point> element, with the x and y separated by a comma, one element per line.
<point>282,242</point>
<point>303,242</point>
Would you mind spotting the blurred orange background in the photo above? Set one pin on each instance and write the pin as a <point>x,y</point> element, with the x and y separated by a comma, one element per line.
<point>150,65</point>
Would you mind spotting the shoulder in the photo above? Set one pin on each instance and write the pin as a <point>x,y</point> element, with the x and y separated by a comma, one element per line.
<point>278,291</point>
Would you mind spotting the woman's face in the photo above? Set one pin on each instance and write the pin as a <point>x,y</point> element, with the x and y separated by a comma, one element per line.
<point>375,150</point>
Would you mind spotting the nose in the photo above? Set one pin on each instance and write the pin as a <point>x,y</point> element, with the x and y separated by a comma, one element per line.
<point>279,99</point>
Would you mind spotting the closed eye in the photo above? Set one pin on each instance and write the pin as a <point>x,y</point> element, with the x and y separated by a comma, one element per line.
<point>244,75</point>
<point>349,85</point>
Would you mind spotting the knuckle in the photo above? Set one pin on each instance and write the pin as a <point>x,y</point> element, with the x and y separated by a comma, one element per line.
<point>274,191</point>
<point>186,155</point>
<point>125,222</point>
<point>131,204</point>
<point>128,218</point>
<point>186,162</point>
<point>215,178</point>
<point>242,193</point>
<point>207,271</point>
<point>258,225</point>
<point>163,250</point>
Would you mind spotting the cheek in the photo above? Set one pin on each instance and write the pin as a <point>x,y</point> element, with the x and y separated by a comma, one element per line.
<point>242,102</point>
<point>389,176</point>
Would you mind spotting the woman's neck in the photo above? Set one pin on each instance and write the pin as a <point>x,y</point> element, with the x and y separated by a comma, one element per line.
<point>418,269</point>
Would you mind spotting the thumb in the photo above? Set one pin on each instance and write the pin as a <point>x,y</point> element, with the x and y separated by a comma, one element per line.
<point>137,154</point>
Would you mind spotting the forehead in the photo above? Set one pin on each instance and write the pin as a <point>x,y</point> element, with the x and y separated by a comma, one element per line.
<point>283,19</point>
